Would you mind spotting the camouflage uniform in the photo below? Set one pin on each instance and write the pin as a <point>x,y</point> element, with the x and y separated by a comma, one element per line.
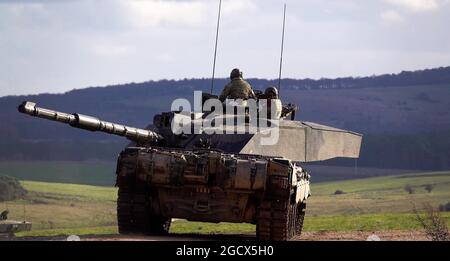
<point>238,88</point>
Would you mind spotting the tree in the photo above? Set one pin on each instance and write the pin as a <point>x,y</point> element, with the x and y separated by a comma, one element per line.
<point>10,189</point>
<point>429,188</point>
<point>409,189</point>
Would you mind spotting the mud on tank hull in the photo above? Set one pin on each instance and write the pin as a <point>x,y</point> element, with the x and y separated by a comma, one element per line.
<point>158,184</point>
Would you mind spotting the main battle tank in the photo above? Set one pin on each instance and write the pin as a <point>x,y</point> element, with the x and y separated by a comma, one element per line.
<point>214,177</point>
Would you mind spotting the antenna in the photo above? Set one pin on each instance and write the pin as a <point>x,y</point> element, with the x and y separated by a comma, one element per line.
<point>282,49</point>
<point>215,48</point>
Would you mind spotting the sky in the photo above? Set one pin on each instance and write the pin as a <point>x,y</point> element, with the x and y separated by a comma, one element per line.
<point>55,46</point>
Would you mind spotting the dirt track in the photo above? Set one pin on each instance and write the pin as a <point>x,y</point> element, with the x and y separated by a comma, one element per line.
<point>307,236</point>
<point>384,236</point>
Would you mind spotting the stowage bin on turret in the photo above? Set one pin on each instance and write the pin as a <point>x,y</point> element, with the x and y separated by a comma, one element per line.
<point>214,177</point>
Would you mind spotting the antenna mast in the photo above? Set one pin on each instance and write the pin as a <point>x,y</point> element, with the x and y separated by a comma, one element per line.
<point>282,49</point>
<point>215,48</point>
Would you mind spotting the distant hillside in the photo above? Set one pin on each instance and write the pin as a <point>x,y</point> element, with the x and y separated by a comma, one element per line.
<point>405,117</point>
<point>405,78</point>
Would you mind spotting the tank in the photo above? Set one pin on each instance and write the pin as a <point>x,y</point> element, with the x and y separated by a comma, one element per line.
<point>9,227</point>
<point>210,176</point>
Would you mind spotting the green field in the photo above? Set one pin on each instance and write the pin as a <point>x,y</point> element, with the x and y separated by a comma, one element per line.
<point>89,173</point>
<point>372,204</point>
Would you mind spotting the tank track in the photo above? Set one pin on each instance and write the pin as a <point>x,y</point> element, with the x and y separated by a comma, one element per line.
<point>278,221</point>
<point>134,214</point>
<point>279,217</point>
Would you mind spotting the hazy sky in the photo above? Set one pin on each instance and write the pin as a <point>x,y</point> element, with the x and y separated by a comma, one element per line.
<point>56,46</point>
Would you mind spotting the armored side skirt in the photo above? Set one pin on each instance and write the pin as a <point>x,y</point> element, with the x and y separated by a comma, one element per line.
<point>207,185</point>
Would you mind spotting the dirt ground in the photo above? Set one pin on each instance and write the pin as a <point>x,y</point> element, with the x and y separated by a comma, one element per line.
<point>306,236</point>
<point>363,236</point>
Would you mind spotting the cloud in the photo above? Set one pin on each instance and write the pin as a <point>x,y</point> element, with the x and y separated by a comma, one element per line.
<point>194,13</point>
<point>392,17</point>
<point>416,5</point>
<point>55,46</point>
<point>230,7</point>
<point>110,49</point>
<point>153,13</point>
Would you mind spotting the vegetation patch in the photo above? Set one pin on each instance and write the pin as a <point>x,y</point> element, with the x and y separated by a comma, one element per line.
<point>445,207</point>
<point>372,204</point>
<point>410,189</point>
<point>10,189</point>
<point>433,223</point>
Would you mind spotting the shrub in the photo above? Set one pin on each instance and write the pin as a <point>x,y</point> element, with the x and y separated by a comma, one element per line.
<point>429,188</point>
<point>39,201</point>
<point>10,189</point>
<point>339,192</point>
<point>435,226</point>
<point>409,189</point>
<point>445,207</point>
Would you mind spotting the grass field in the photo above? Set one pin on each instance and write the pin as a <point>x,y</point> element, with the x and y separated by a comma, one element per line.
<point>373,204</point>
<point>90,173</point>
<point>380,194</point>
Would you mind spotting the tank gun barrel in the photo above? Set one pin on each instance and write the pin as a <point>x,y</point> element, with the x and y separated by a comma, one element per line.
<point>90,123</point>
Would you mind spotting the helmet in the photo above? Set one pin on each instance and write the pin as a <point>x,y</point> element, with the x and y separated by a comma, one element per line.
<point>235,73</point>
<point>272,91</point>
